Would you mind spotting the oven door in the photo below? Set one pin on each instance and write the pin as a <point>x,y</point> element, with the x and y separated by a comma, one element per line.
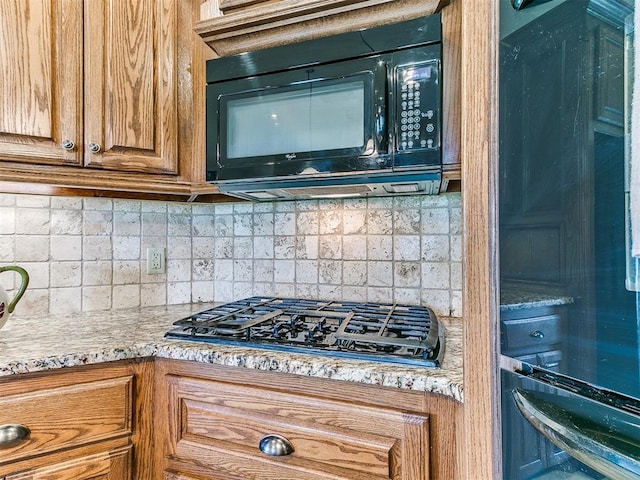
<point>322,119</point>
<point>558,428</point>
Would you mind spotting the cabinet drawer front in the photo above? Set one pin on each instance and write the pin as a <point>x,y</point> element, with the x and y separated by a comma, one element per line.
<point>68,416</point>
<point>530,334</point>
<point>222,425</point>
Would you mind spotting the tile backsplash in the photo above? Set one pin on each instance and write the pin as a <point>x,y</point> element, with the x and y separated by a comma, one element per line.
<point>90,253</point>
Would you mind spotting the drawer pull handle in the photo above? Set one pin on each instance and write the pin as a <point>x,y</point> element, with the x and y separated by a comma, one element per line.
<point>13,434</point>
<point>551,365</point>
<point>275,445</point>
<point>536,334</point>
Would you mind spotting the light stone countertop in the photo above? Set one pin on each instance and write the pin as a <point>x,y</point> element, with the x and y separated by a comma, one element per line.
<point>514,299</point>
<point>57,341</point>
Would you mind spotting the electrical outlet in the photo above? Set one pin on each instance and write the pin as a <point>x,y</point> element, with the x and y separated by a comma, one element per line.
<point>155,260</point>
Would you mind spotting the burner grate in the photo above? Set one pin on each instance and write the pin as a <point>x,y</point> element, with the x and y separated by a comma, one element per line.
<point>396,333</point>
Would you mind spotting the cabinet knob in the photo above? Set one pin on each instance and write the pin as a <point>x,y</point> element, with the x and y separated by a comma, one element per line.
<point>275,445</point>
<point>536,334</point>
<point>94,147</point>
<point>12,435</point>
<point>68,145</point>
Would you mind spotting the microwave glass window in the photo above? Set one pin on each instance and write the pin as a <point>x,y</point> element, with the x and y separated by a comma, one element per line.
<point>311,117</point>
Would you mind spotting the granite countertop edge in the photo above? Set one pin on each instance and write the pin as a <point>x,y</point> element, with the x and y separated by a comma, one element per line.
<point>128,334</point>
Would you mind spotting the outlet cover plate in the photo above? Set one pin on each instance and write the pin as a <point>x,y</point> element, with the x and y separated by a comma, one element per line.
<point>155,260</point>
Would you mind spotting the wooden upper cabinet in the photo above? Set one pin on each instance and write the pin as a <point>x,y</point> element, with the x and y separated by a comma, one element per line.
<point>103,97</point>
<point>41,81</point>
<point>234,26</point>
<point>131,85</point>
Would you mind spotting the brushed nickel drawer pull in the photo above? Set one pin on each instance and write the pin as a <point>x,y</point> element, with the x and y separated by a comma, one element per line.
<point>537,334</point>
<point>94,147</point>
<point>12,435</point>
<point>275,445</point>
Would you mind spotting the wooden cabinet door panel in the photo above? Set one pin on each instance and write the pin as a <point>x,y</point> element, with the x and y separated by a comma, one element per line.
<point>131,85</point>
<point>68,416</point>
<point>112,465</point>
<point>220,425</point>
<point>41,80</point>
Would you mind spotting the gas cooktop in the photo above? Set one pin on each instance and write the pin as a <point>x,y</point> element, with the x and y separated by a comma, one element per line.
<point>396,333</point>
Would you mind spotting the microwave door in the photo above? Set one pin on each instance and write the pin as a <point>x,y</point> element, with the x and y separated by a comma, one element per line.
<point>324,125</point>
<point>311,117</point>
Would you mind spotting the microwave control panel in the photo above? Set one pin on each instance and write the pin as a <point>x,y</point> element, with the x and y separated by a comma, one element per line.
<point>418,106</point>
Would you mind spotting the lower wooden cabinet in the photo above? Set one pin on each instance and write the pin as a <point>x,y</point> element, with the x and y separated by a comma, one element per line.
<point>176,420</point>
<point>81,423</point>
<point>109,465</point>
<point>228,423</point>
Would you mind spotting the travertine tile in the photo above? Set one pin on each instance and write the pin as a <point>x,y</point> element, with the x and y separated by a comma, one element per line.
<point>32,248</point>
<point>126,223</point>
<point>66,247</point>
<point>65,300</point>
<point>202,270</point>
<point>66,222</point>
<point>263,247</point>
<point>95,247</point>
<point>32,221</point>
<point>126,272</point>
<point>330,271</point>
<point>223,225</point>
<point>97,222</point>
<point>307,247</point>
<point>284,271</point>
<point>379,274</point>
<point>126,296</point>
<point>285,223</point>
<point>7,220</point>
<point>97,273</point>
<point>405,249</point>
<point>380,247</point>
<point>307,223</point>
<point>202,226</point>
<point>330,246</point>
<point>65,274</point>
<point>154,223</point>
<point>96,298</point>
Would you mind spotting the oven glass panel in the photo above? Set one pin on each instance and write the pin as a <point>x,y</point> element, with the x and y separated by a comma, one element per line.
<point>569,118</point>
<point>310,117</point>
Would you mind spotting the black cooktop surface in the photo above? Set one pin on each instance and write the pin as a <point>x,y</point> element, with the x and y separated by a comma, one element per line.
<point>397,333</point>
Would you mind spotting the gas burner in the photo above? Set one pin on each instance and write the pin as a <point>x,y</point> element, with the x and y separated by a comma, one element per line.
<point>407,334</point>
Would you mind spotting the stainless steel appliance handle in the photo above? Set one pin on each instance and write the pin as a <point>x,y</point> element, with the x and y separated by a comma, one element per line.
<point>598,435</point>
<point>520,4</point>
<point>12,435</point>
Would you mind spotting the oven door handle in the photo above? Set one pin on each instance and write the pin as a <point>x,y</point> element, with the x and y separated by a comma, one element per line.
<point>602,437</point>
<point>520,4</point>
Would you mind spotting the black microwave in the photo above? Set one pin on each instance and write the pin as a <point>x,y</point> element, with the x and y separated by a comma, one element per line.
<point>355,114</point>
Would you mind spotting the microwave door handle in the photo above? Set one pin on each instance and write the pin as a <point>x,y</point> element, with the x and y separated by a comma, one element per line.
<point>381,126</point>
<point>552,416</point>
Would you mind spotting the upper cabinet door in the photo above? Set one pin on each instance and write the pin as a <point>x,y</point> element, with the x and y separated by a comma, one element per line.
<point>131,113</point>
<point>41,81</point>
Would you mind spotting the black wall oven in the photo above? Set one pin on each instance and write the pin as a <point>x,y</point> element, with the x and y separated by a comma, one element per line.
<point>569,177</point>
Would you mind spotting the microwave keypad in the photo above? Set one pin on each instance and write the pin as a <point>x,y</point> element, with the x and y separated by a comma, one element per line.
<point>417,100</point>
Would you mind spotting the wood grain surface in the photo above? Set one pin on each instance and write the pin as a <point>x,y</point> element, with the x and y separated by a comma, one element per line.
<point>216,415</point>
<point>480,302</point>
